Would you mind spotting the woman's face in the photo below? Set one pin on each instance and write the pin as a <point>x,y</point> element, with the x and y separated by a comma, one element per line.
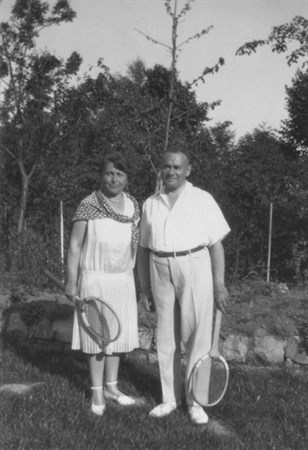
<point>113,181</point>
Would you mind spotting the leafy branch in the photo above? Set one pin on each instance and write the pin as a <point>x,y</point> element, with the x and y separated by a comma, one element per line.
<point>174,49</point>
<point>281,38</point>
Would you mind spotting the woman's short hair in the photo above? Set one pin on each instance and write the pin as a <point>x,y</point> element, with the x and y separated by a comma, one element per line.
<point>117,160</point>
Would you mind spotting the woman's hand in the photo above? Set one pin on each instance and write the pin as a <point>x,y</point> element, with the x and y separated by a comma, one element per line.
<point>71,292</point>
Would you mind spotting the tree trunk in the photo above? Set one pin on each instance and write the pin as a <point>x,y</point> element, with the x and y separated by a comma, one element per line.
<point>173,69</point>
<point>25,182</point>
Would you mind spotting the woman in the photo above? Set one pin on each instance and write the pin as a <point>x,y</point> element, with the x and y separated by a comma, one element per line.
<point>101,258</point>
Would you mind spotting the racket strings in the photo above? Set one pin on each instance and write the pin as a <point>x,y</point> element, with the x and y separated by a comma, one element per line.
<point>209,381</point>
<point>102,320</point>
<point>218,380</point>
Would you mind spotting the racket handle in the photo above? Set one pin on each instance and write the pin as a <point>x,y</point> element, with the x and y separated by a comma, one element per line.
<point>61,285</point>
<point>54,279</point>
<point>217,326</point>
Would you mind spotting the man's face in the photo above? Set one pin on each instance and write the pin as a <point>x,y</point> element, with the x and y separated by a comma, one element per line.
<point>174,170</point>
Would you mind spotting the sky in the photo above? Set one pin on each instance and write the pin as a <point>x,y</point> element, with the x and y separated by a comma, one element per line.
<point>251,88</point>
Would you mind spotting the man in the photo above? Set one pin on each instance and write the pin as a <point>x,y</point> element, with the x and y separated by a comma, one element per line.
<point>181,263</point>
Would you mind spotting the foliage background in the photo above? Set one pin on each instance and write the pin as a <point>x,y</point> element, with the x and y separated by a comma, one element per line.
<point>56,124</point>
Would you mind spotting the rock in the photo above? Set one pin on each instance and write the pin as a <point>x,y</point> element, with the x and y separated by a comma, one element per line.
<point>62,329</point>
<point>300,357</point>
<point>147,319</point>
<point>291,347</point>
<point>235,348</point>
<point>152,358</point>
<point>4,300</point>
<point>146,336</point>
<point>260,332</point>
<point>294,351</point>
<point>16,388</point>
<point>283,288</point>
<point>270,349</point>
<point>41,330</point>
<point>289,363</point>
<point>16,325</point>
<point>147,356</point>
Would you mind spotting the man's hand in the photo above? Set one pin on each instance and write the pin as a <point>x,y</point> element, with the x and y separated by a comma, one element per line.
<point>221,297</point>
<point>145,301</point>
<point>218,267</point>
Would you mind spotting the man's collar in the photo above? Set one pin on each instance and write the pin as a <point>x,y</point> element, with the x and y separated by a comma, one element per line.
<point>188,185</point>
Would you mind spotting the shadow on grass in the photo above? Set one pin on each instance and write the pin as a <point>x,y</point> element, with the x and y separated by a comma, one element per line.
<point>264,408</point>
<point>135,374</point>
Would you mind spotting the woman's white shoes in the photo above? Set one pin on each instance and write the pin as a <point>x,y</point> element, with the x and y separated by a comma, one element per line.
<point>121,399</point>
<point>98,409</point>
<point>116,395</point>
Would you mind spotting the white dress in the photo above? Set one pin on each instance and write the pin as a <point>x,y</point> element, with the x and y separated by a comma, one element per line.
<point>106,271</point>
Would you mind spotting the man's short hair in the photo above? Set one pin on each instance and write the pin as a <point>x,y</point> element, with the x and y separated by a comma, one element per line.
<point>179,149</point>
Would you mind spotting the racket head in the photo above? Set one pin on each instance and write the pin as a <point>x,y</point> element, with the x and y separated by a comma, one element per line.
<point>99,319</point>
<point>210,377</point>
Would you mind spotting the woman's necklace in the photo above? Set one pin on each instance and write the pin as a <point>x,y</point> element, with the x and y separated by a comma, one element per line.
<point>116,201</point>
<point>116,204</point>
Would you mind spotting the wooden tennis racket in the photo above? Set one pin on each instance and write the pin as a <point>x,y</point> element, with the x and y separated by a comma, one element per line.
<point>97,317</point>
<point>210,375</point>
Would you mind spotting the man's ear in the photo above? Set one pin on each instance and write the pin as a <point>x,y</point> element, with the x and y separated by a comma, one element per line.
<point>188,170</point>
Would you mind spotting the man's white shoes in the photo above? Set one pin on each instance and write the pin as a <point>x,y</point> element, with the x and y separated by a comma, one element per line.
<point>197,415</point>
<point>163,410</point>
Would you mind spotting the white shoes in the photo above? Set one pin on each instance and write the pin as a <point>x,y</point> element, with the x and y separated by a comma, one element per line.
<point>98,409</point>
<point>163,410</point>
<point>117,396</point>
<point>197,415</point>
<point>121,399</point>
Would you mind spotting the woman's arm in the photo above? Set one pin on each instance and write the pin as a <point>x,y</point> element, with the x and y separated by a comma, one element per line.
<point>74,251</point>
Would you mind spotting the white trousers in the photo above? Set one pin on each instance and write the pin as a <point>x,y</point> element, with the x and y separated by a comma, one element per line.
<point>183,293</point>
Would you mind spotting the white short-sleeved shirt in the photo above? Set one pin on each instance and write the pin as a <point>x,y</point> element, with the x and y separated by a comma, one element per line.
<point>195,219</point>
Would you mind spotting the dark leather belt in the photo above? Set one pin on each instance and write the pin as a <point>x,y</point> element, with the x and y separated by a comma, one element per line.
<point>181,253</point>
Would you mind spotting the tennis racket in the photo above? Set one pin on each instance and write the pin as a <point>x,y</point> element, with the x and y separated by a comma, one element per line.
<point>210,374</point>
<point>97,317</point>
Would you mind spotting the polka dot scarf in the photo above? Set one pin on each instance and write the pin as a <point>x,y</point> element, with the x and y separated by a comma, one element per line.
<point>95,206</point>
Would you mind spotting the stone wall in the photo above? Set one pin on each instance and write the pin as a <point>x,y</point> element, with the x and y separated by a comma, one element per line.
<point>52,320</point>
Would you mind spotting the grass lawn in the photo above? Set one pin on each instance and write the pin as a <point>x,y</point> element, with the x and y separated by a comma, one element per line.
<point>264,408</point>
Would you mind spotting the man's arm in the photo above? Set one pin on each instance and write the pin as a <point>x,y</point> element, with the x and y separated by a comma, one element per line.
<point>143,270</point>
<point>218,269</point>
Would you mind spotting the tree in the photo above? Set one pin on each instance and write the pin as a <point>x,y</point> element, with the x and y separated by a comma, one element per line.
<point>31,83</point>
<point>290,38</point>
<point>258,172</point>
<point>282,39</point>
<point>131,115</point>
<point>174,50</point>
<point>295,129</point>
